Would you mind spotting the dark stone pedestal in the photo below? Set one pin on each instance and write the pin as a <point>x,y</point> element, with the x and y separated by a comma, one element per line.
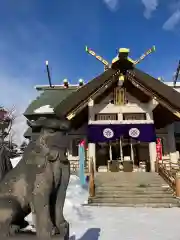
<point>32,236</point>
<point>113,166</point>
<point>127,166</point>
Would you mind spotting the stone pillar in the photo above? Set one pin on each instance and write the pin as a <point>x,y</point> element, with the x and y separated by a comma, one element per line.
<point>177,182</point>
<point>172,143</point>
<point>149,116</point>
<point>91,115</point>
<point>91,146</point>
<point>152,155</point>
<point>92,153</point>
<point>152,146</point>
<point>120,116</point>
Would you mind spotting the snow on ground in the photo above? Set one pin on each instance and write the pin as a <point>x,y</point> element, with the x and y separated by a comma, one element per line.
<point>105,223</point>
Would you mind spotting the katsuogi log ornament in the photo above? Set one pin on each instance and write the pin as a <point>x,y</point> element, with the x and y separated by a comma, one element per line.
<point>122,61</point>
<point>38,184</point>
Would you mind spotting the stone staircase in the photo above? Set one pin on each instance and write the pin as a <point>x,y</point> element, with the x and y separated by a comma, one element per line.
<point>139,189</point>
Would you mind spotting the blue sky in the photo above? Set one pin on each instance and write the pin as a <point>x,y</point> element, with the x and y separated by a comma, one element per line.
<point>32,31</point>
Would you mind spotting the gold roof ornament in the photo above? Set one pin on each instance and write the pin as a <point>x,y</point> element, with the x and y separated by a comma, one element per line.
<point>121,78</point>
<point>81,82</point>
<point>66,83</point>
<point>121,50</point>
<point>124,50</point>
<point>160,79</point>
<point>116,63</point>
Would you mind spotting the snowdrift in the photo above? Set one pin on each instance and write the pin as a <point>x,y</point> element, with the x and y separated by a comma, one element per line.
<point>75,197</point>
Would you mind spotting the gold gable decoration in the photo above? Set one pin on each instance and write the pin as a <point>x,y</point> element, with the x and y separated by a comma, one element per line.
<point>119,96</point>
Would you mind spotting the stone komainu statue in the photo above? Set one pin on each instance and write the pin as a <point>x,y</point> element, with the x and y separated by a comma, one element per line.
<point>38,183</point>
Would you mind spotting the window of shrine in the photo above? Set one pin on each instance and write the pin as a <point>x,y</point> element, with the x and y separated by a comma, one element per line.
<point>134,116</point>
<point>106,117</point>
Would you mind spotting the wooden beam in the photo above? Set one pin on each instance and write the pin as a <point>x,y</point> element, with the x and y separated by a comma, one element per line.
<point>152,104</point>
<point>99,91</point>
<point>132,78</point>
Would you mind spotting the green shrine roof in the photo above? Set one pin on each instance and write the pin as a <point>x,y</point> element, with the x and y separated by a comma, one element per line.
<point>47,101</point>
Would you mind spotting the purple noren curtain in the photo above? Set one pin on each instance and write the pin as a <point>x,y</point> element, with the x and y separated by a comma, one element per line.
<point>110,132</point>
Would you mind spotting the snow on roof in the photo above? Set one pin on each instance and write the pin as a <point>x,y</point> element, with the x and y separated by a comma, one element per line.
<point>61,86</point>
<point>171,84</point>
<point>44,109</point>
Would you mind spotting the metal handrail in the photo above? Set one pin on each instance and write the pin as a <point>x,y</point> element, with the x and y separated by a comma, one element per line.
<point>168,171</point>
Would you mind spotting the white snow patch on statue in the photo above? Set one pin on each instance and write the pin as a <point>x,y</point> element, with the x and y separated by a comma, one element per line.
<point>44,109</point>
<point>14,161</point>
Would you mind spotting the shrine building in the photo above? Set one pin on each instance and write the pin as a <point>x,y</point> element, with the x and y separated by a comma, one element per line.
<point>118,123</point>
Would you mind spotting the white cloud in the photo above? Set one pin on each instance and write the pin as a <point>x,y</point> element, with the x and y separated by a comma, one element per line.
<point>112,4</point>
<point>172,22</point>
<point>150,6</point>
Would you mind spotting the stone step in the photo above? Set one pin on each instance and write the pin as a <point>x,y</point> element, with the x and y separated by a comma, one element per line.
<point>149,205</point>
<point>132,188</point>
<point>133,184</point>
<point>126,174</point>
<point>130,178</point>
<point>135,176</point>
<point>132,195</point>
<point>126,200</point>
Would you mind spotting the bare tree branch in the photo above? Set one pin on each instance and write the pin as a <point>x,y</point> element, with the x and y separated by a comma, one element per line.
<point>7,117</point>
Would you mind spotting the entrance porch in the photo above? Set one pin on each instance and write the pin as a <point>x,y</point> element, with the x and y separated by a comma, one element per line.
<point>122,155</point>
<point>122,147</point>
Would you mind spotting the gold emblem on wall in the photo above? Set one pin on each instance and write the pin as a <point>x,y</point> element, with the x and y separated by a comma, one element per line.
<point>119,96</point>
